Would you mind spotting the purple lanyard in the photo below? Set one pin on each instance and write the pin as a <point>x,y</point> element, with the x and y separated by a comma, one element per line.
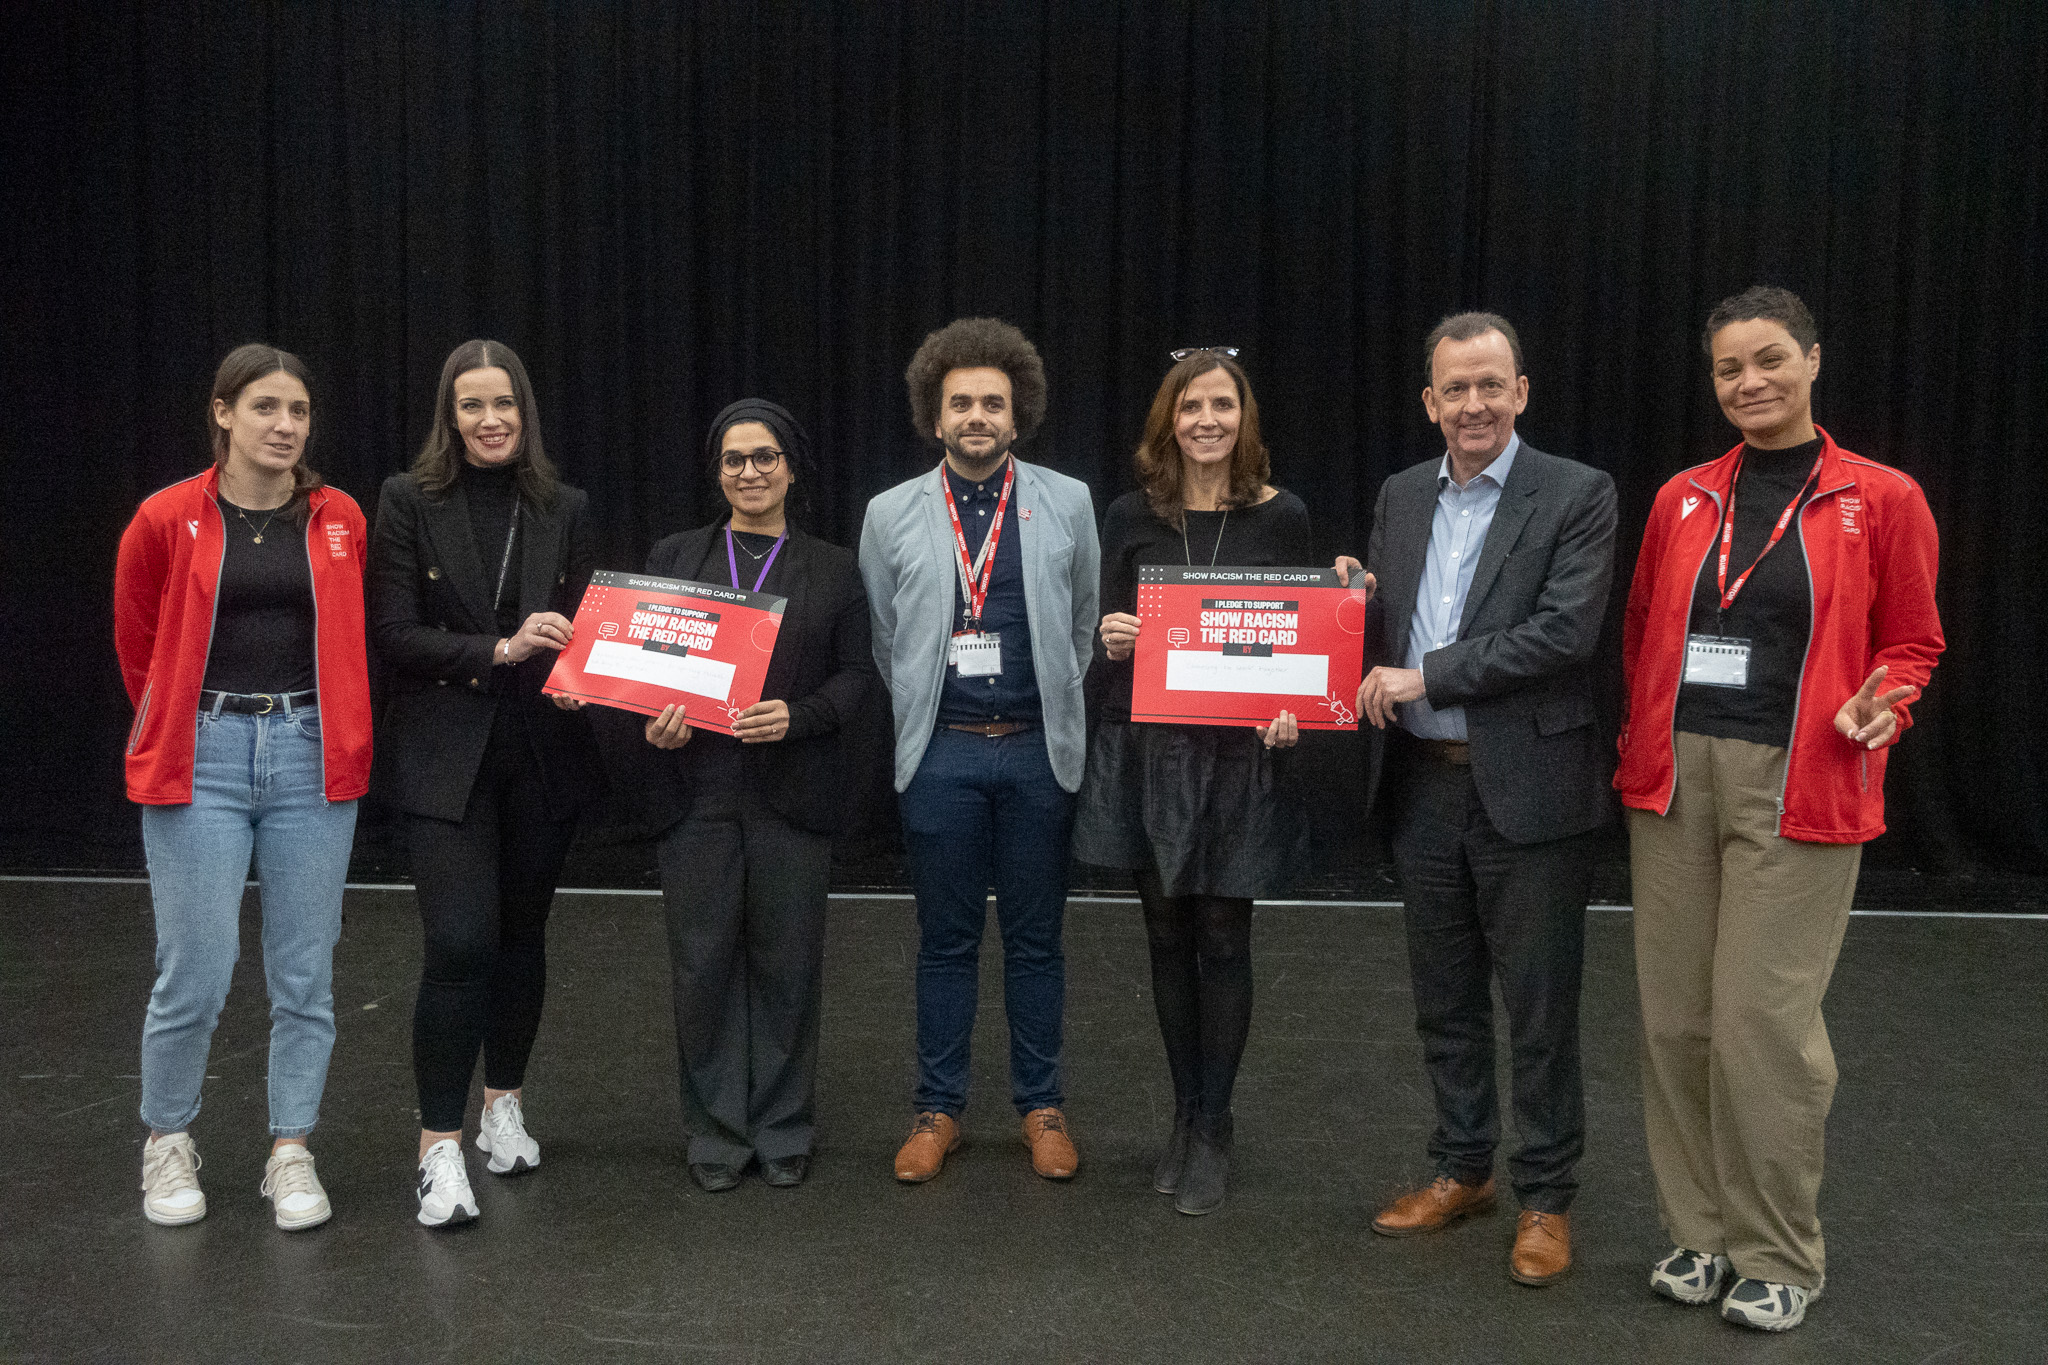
<point>732,560</point>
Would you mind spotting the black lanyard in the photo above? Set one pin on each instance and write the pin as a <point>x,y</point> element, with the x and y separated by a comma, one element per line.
<point>505,563</point>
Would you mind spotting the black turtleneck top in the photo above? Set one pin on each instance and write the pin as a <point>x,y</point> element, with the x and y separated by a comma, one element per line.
<point>492,493</point>
<point>1774,611</point>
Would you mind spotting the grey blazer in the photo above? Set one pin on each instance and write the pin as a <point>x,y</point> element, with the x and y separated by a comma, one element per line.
<point>1522,663</point>
<point>907,562</point>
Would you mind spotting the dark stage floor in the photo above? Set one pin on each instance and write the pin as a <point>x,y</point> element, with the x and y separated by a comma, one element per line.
<point>1936,1202</point>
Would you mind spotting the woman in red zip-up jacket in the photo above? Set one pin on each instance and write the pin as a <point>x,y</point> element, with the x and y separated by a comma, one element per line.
<point>1781,618</point>
<point>238,618</point>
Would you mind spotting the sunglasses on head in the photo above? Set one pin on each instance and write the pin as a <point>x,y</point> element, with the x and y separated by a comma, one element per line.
<point>1184,352</point>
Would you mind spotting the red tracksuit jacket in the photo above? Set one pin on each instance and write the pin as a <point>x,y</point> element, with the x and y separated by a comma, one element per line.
<point>1871,554</point>
<point>166,583</point>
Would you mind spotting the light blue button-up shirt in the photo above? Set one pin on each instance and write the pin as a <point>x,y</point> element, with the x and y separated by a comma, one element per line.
<point>1457,533</point>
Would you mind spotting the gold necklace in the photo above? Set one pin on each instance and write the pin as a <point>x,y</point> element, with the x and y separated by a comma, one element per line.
<point>259,530</point>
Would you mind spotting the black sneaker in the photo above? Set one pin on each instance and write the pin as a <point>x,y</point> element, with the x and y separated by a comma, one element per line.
<point>1767,1305</point>
<point>1690,1276</point>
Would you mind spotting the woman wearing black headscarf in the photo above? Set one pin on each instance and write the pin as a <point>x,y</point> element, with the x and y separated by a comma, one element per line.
<point>747,822</point>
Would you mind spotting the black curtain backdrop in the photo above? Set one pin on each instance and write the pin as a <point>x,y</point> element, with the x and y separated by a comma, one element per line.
<point>665,207</point>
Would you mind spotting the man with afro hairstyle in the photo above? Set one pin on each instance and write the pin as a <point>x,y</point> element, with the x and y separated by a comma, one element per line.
<point>982,577</point>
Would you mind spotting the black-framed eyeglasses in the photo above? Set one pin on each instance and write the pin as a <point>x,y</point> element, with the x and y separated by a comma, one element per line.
<point>764,461</point>
<point>1184,352</point>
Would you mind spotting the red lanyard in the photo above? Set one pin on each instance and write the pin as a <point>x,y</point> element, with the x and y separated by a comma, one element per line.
<point>1777,533</point>
<point>975,573</point>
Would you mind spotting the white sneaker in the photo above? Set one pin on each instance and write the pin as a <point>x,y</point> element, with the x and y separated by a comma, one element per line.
<point>1767,1305</point>
<point>171,1195</point>
<point>445,1196</point>
<point>294,1190</point>
<point>1690,1276</point>
<point>503,1135</point>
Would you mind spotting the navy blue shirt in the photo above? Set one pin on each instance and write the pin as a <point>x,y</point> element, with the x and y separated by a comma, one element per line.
<point>1013,693</point>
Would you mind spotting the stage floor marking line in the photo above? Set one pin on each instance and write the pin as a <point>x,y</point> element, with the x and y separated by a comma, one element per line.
<point>1072,900</point>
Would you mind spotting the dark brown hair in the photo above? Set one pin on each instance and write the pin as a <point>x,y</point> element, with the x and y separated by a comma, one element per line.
<point>1770,303</point>
<point>440,459</point>
<point>970,344</point>
<point>1463,327</point>
<point>244,366</point>
<point>1160,464</point>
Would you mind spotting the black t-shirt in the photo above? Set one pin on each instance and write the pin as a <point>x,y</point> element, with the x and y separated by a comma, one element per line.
<point>1774,611</point>
<point>263,613</point>
<point>1273,533</point>
<point>716,769</point>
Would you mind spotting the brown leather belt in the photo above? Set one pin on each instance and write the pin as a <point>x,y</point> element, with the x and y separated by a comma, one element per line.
<point>993,729</point>
<point>1456,752</point>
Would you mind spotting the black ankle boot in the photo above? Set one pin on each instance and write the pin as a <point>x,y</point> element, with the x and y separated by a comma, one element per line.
<point>1207,1173</point>
<point>1166,1178</point>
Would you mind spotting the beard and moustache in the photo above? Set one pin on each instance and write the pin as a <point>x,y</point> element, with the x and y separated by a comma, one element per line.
<point>980,462</point>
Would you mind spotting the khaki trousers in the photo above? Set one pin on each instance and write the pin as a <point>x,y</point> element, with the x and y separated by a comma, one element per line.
<point>1737,931</point>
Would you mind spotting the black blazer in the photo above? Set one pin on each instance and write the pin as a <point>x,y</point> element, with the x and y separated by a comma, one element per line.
<point>435,634</point>
<point>1522,665</point>
<point>823,666</point>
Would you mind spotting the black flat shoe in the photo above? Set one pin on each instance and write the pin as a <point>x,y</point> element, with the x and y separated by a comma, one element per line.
<point>785,1172</point>
<point>714,1176</point>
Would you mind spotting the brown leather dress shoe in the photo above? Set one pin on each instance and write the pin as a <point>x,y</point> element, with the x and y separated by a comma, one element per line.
<point>1052,1151</point>
<point>923,1154</point>
<point>1543,1247</point>
<point>1435,1208</point>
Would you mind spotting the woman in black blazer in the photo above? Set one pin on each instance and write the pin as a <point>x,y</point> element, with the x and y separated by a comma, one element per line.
<point>478,559</point>
<point>746,823</point>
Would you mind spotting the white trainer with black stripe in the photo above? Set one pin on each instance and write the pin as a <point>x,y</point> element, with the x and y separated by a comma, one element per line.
<point>294,1191</point>
<point>1690,1276</point>
<point>171,1196</point>
<point>1767,1305</point>
<point>445,1196</point>
<point>503,1135</point>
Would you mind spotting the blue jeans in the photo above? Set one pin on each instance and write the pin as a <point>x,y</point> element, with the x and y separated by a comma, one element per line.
<point>257,786</point>
<point>984,810</point>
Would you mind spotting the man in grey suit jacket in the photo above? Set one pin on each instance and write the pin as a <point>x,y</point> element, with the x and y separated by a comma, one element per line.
<point>1491,568</point>
<point>982,576</point>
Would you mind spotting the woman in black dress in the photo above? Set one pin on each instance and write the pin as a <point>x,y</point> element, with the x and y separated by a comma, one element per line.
<point>1202,814</point>
<point>746,822</point>
<point>479,556</point>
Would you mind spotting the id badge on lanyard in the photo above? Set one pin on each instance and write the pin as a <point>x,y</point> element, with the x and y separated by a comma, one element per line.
<point>1716,661</point>
<point>1723,660</point>
<point>976,653</point>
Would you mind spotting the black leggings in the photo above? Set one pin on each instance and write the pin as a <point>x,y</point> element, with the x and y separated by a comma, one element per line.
<point>485,887</point>
<point>1201,987</point>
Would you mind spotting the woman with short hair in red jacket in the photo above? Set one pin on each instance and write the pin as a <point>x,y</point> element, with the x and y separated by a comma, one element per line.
<point>1781,619</point>
<point>238,618</point>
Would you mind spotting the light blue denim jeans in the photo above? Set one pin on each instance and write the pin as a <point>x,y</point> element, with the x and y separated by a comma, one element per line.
<point>257,787</point>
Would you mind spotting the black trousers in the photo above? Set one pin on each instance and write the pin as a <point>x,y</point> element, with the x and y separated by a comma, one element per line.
<point>486,884</point>
<point>1478,909</point>
<point>745,893</point>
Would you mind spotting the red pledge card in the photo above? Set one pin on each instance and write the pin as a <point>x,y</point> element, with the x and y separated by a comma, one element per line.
<point>1237,646</point>
<point>642,643</point>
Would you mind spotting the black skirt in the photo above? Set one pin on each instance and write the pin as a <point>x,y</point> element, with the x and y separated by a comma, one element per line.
<point>1209,805</point>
